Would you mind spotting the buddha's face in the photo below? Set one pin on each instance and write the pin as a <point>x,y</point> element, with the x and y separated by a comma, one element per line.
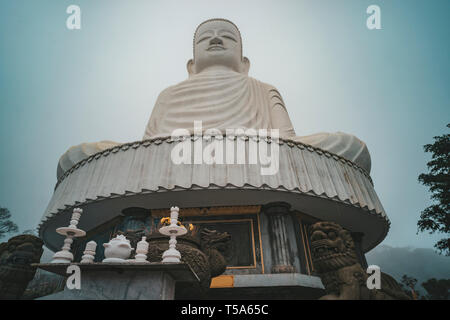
<point>217,43</point>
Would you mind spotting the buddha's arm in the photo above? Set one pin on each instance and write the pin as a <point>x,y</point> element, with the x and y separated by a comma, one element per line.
<point>279,115</point>
<point>342,144</point>
<point>152,129</point>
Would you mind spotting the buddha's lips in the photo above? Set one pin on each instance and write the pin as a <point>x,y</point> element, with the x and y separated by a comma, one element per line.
<point>215,48</point>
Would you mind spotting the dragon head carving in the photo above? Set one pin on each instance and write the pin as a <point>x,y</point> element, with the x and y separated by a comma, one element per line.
<point>332,247</point>
<point>217,246</point>
<point>220,241</point>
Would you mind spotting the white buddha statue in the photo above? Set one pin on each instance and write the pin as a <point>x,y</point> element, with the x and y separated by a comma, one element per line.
<point>220,93</point>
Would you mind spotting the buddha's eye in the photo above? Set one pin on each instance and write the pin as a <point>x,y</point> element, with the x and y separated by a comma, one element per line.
<point>202,39</point>
<point>230,38</point>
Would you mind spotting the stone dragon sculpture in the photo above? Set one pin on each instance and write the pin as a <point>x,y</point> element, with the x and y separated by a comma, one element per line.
<point>203,251</point>
<point>335,261</point>
<point>216,246</point>
<point>16,255</point>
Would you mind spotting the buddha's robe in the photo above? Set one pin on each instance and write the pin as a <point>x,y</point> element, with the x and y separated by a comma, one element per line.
<point>221,100</point>
<point>229,100</point>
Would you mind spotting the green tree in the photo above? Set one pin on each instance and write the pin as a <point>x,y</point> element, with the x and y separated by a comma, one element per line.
<point>436,218</point>
<point>6,224</point>
<point>437,289</point>
<point>410,283</point>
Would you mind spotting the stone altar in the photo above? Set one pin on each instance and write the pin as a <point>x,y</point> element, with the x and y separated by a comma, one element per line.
<point>133,281</point>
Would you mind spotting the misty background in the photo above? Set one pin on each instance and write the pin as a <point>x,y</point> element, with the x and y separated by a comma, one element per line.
<point>389,87</point>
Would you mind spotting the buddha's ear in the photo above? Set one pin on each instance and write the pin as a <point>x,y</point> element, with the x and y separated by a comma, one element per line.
<point>246,65</point>
<point>190,67</point>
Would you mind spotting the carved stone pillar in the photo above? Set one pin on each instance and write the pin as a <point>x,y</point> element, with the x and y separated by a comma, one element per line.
<point>278,217</point>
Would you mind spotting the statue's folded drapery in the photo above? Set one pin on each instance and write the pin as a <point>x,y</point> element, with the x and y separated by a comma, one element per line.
<point>221,100</point>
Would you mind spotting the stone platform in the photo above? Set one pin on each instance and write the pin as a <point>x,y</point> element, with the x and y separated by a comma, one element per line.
<point>130,281</point>
<point>140,174</point>
<point>287,286</point>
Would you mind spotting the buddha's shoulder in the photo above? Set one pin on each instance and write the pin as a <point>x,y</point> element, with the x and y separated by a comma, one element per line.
<point>180,85</point>
<point>272,92</point>
<point>165,92</point>
<point>168,89</point>
<point>271,89</point>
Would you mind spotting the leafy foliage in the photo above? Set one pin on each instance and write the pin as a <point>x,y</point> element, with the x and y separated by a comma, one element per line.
<point>436,218</point>
<point>409,283</point>
<point>6,224</point>
<point>437,289</point>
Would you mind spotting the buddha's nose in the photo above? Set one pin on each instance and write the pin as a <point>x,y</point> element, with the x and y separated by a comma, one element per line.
<point>215,41</point>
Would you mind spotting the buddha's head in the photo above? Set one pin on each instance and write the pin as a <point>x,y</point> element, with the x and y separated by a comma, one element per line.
<point>218,42</point>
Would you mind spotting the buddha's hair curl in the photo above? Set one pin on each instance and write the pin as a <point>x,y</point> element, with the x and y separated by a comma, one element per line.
<point>217,19</point>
